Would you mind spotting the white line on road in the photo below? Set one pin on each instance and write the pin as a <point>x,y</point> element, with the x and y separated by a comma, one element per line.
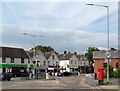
<point>57,81</point>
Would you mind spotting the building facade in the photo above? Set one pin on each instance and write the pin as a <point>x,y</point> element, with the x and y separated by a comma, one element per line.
<point>100,61</point>
<point>13,57</point>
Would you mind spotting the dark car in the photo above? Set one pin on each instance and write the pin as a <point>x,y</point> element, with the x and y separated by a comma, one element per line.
<point>19,72</point>
<point>64,74</point>
<point>5,76</point>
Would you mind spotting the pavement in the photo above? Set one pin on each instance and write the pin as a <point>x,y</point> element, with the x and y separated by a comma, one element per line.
<point>90,81</point>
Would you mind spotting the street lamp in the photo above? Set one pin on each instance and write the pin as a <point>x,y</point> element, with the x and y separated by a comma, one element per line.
<point>33,36</point>
<point>107,52</point>
<point>57,64</point>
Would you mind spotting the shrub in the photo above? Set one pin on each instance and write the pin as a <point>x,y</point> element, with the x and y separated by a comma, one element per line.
<point>117,73</point>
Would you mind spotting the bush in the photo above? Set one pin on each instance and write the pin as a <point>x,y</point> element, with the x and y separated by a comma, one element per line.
<point>116,73</point>
<point>111,74</point>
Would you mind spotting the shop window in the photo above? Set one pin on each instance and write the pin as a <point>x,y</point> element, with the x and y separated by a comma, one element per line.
<point>3,60</point>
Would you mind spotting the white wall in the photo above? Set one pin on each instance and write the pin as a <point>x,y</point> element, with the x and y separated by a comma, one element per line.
<point>73,59</point>
<point>64,63</point>
<point>53,61</point>
<point>16,61</point>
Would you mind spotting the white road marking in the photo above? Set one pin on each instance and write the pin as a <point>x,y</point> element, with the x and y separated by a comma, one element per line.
<point>57,81</point>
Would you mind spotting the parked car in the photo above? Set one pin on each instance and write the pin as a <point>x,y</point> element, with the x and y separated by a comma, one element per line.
<point>64,74</point>
<point>5,76</point>
<point>74,72</point>
<point>19,72</point>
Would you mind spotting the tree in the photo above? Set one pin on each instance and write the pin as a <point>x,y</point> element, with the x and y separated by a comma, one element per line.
<point>113,49</point>
<point>89,53</point>
<point>43,48</point>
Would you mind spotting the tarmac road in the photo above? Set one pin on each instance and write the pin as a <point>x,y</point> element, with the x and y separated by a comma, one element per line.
<point>59,83</point>
<point>78,82</point>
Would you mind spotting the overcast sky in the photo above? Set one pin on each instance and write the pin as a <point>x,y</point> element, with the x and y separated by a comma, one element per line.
<point>70,26</point>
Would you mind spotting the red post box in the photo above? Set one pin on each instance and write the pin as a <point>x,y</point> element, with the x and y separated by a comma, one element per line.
<point>100,75</point>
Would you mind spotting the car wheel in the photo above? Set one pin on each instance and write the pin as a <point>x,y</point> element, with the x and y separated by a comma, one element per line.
<point>9,79</point>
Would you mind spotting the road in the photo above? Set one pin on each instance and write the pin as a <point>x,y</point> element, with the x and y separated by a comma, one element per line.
<point>59,83</point>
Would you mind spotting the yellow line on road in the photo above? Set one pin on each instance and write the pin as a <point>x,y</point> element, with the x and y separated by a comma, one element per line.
<point>83,83</point>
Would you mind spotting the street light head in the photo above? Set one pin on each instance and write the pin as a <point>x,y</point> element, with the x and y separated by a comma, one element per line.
<point>25,33</point>
<point>90,4</point>
<point>42,36</point>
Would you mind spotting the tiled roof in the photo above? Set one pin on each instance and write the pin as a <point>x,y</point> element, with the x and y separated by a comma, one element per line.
<point>82,57</point>
<point>65,56</point>
<point>47,54</point>
<point>31,53</point>
<point>101,54</point>
<point>13,52</point>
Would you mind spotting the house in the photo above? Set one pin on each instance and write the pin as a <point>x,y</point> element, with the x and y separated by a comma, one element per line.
<point>46,60</point>
<point>68,61</point>
<point>13,57</point>
<point>83,63</point>
<point>99,58</point>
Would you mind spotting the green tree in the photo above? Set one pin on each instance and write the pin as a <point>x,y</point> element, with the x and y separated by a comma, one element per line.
<point>89,53</point>
<point>113,49</point>
<point>43,48</point>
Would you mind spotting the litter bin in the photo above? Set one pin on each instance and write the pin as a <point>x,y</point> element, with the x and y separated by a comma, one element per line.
<point>47,76</point>
<point>30,75</point>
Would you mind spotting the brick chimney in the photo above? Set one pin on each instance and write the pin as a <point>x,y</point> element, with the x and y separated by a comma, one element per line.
<point>75,53</point>
<point>65,52</point>
<point>69,52</point>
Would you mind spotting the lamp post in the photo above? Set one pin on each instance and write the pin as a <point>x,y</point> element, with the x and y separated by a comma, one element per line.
<point>107,52</point>
<point>33,36</point>
<point>84,67</point>
<point>57,64</point>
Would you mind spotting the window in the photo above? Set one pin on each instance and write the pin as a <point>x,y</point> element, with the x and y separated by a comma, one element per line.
<point>67,66</point>
<point>22,60</point>
<point>12,60</point>
<point>71,61</point>
<point>53,57</point>
<point>44,62</point>
<point>3,60</point>
<point>105,65</point>
<point>75,61</point>
<point>117,65</point>
<point>48,62</point>
<point>28,60</point>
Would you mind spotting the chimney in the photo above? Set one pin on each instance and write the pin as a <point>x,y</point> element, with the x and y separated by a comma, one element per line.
<point>65,52</point>
<point>69,52</point>
<point>75,53</point>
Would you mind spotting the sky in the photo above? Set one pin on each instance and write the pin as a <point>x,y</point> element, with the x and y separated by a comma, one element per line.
<point>66,26</point>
